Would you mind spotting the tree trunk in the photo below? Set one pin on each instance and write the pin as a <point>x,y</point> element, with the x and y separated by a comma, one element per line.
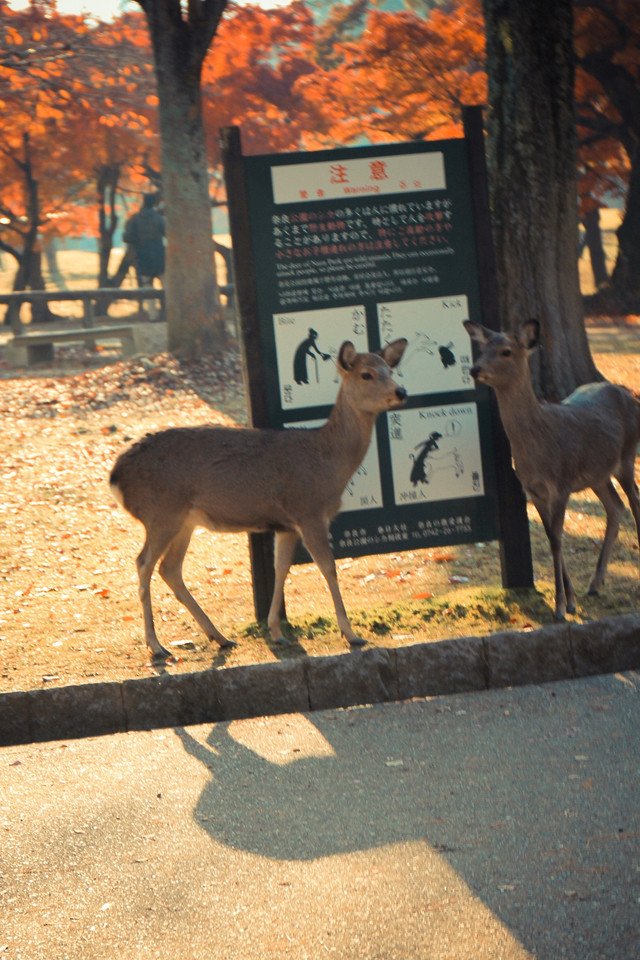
<point>625,279</point>
<point>127,262</point>
<point>593,242</point>
<point>226,254</point>
<point>29,274</point>
<point>531,156</point>
<point>195,324</point>
<point>107,181</point>
<point>190,279</point>
<point>50,251</point>
<point>613,68</point>
<point>40,312</point>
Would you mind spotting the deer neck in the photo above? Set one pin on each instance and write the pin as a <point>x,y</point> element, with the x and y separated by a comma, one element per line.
<point>347,435</point>
<point>520,411</point>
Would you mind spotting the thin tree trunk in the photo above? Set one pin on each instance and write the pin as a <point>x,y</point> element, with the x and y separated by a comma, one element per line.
<point>107,186</point>
<point>127,262</point>
<point>29,274</point>
<point>625,278</point>
<point>40,312</point>
<point>594,245</point>
<point>614,71</point>
<point>50,251</point>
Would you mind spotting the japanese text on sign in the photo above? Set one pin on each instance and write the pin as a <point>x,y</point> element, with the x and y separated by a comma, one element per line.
<point>346,253</point>
<point>358,177</point>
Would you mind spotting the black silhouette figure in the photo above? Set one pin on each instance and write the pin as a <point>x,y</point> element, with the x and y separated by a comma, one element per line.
<point>447,356</point>
<point>418,472</point>
<point>307,349</point>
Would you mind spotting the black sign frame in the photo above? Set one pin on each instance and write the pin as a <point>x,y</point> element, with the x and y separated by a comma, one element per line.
<point>363,267</point>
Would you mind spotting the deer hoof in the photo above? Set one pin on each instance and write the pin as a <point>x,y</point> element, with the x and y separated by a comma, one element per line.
<point>283,641</point>
<point>162,656</point>
<point>356,641</point>
<point>225,644</point>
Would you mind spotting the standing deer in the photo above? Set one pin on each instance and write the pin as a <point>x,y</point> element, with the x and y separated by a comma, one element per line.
<point>562,448</point>
<point>284,481</point>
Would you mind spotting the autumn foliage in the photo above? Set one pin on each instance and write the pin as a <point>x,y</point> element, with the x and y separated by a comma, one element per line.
<point>404,78</point>
<point>78,98</point>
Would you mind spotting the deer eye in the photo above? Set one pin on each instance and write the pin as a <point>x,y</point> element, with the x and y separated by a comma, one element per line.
<point>367,376</point>
<point>506,352</point>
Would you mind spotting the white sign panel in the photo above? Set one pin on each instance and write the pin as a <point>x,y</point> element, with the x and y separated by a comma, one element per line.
<point>435,454</point>
<point>438,355</point>
<point>358,177</point>
<point>307,346</point>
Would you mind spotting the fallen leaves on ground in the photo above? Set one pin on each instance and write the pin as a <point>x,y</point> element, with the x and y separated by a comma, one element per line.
<point>69,609</point>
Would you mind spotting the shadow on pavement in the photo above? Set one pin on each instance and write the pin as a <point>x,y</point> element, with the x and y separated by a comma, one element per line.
<point>521,801</point>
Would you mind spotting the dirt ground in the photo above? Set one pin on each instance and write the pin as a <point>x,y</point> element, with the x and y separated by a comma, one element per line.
<point>69,610</point>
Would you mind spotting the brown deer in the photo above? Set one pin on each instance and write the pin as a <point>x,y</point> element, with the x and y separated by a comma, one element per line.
<point>284,481</point>
<point>562,448</point>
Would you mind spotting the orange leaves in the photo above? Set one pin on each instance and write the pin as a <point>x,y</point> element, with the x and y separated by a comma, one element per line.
<point>66,82</point>
<point>251,76</point>
<point>406,75</point>
<point>443,558</point>
<point>599,29</point>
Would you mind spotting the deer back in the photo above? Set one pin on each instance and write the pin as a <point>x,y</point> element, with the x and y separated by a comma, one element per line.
<point>248,479</point>
<point>570,445</point>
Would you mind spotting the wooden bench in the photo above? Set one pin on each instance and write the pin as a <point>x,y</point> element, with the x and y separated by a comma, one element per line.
<point>27,348</point>
<point>89,299</point>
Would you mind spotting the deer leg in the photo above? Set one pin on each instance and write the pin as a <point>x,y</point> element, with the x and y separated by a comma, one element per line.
<point>628,483</point>
<point>317,542</point>
<point>553,523</point>
<point>154,546</point>
<point>614,509</point>
<point>284,549</point>
<point>171,572</point>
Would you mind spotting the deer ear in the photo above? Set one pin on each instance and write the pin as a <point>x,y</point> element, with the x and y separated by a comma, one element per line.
<point>529,334</point>
<point>347,355</point>
<point>392,353</point>
<point>476,331</point>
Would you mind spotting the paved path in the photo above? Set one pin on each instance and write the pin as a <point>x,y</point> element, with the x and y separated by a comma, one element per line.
<point>502,824</point>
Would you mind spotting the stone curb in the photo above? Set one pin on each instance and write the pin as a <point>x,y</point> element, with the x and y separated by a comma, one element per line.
<point>562,651</point>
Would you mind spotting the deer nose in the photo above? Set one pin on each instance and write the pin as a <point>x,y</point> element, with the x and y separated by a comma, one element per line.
<point>401,394</point>
<point>475,371</point>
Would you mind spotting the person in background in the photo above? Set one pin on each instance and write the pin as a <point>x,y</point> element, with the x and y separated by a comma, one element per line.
<point>144,232</point>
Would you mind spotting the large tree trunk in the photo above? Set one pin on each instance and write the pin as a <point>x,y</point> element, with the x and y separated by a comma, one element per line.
<point>531,154</point>
<point>179,47</point>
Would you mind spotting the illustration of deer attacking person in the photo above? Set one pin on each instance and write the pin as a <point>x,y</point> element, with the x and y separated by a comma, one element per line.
<point>562,448</point>
<point>288,482</point>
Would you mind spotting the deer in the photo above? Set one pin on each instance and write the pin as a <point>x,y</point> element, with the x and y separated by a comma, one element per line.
<point>234,479</point>
<point>562,448</point>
